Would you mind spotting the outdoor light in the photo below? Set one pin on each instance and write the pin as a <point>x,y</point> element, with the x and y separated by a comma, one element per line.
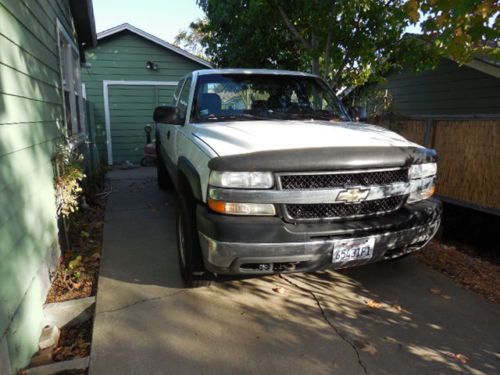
<point>150,65</point>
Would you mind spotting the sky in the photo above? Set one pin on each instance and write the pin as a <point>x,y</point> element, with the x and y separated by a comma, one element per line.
<point>162,18</point>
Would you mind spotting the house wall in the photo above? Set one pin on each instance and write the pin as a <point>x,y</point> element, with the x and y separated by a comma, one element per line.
<point>31,119</point>
<point>123,56</point>
<point>450,89</point>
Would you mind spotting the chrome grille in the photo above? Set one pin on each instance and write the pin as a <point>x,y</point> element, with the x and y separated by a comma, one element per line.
<point>328,180</point>
<point>331,180</point>
<point>342,210</point>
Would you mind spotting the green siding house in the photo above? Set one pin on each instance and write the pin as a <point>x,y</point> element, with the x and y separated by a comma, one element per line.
<point>127,75</point>
<point>40,103</point>
<point>472,89</point>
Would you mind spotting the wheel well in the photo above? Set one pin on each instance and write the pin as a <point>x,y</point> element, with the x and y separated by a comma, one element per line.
<point>183,186</point>
<point>188,179</point>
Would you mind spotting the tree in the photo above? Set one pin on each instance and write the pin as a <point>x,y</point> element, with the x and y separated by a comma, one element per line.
<point>191,39</point>
<point>458,28</point>
<point>346,42</point>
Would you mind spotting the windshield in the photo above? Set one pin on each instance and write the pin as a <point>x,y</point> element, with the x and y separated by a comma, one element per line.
<point>239,97</point>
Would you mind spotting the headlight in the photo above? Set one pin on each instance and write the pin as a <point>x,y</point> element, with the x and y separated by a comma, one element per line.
<point>423,170</point>
<point>422,181</point>
<point>242,180</point>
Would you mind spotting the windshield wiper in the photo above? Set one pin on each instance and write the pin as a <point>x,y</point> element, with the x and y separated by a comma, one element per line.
<point>239,116</point>
<point>312,116</point>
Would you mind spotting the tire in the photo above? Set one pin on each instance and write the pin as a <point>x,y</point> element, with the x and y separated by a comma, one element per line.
<point>190,257</point>
<point>164,181</point>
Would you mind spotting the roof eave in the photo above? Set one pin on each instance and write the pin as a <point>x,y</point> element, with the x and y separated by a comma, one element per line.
<point>83,18</point>
<point>126,26</point>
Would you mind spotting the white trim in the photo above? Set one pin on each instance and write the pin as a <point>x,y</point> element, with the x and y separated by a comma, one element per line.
<point>141,83</point>
<point>70,55</point>
<point>107,116</point>
<point>152,38</point>
<point>492,70</point>
<point>70,41</point>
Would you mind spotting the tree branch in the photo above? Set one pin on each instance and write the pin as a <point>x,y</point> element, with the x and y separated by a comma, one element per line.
<point>293,29</point>
<point>341,67</point>
<point>329,38</point>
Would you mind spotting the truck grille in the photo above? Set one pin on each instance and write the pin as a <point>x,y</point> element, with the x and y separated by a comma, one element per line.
<point>343,210</point>
<point>332,211</point>
<point>327,181</point>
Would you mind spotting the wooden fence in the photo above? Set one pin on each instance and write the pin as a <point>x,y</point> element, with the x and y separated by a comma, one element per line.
<point>468,153</point>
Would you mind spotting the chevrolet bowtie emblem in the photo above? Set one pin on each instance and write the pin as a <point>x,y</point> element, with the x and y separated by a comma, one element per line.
<point>353,195</point>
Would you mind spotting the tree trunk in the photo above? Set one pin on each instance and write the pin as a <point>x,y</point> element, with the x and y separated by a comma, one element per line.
<point>315,69</point>
<point>315,58</point>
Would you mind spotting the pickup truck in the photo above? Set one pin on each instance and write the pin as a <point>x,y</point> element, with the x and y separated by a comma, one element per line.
<point>272,176</point>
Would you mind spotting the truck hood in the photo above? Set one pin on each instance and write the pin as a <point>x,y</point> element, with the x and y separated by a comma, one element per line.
<point>241,137</point>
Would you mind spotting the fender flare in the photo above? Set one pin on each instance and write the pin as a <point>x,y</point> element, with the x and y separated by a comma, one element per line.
<point>187,168</point>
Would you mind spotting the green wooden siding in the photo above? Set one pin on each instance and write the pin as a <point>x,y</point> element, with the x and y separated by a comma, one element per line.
<point>450,89</point>
<point>131,108</point>
<point>31,121</point>
<point>123,56</point>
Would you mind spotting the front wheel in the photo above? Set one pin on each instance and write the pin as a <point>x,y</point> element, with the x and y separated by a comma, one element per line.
<point>190,258</point>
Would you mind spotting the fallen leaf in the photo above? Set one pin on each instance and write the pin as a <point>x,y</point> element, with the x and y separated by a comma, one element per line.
<point>435,290</point>
<point>279,290</point>
<point>461,358</point>
<point>366,346</point>
<point>84,234</point>
<point>445,296</point>
<point>398,308</point>
<point>374,304</point>
<point>95,256</point>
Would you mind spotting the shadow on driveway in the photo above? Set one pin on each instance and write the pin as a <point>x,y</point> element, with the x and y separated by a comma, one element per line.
<point>147,323</point>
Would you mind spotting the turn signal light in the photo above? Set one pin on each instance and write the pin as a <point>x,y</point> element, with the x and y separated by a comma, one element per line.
<point>254,209</point>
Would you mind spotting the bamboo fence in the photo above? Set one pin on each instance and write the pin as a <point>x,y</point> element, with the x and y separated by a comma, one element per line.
<point>468,153</point>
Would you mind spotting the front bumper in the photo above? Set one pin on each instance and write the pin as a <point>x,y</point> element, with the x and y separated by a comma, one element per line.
<point>264,245</point>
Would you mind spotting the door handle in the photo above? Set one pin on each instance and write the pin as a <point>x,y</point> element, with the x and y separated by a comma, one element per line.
<point>168,134</point>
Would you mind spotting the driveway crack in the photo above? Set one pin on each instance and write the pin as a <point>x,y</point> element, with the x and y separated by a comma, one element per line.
<point>325,318</point>
<point>142,301</point>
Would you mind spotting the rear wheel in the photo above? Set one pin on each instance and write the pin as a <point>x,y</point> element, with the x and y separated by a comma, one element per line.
<point>190,258</point>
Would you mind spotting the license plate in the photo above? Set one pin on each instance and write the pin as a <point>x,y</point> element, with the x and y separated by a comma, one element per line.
<point>349,250</point>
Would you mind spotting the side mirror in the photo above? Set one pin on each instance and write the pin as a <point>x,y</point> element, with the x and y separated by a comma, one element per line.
<point>358,114</point>
<point>166,114</point>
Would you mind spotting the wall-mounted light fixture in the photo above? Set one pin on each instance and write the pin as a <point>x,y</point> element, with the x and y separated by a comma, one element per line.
<point>150,65</point>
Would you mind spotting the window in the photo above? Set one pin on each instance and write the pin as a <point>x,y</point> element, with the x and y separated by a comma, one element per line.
<point>183,100</point>
<point>240,97</point>
<point>69,60</point>
<point>177,92</point>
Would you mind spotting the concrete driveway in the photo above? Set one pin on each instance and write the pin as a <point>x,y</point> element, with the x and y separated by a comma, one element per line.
<point>325,323</point>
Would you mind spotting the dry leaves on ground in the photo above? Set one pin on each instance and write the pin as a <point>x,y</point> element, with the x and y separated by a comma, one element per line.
<point>473,273</point>
<point>77,274</point>
<point>74,342</point>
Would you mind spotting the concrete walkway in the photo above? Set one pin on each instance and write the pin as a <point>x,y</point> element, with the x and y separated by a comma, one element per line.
<point>146,323</point>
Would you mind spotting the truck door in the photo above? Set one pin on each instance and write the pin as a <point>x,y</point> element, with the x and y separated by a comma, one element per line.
<point>172,131</point>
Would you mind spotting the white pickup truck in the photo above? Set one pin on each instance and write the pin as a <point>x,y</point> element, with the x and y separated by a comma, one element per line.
<point>272,176</point>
